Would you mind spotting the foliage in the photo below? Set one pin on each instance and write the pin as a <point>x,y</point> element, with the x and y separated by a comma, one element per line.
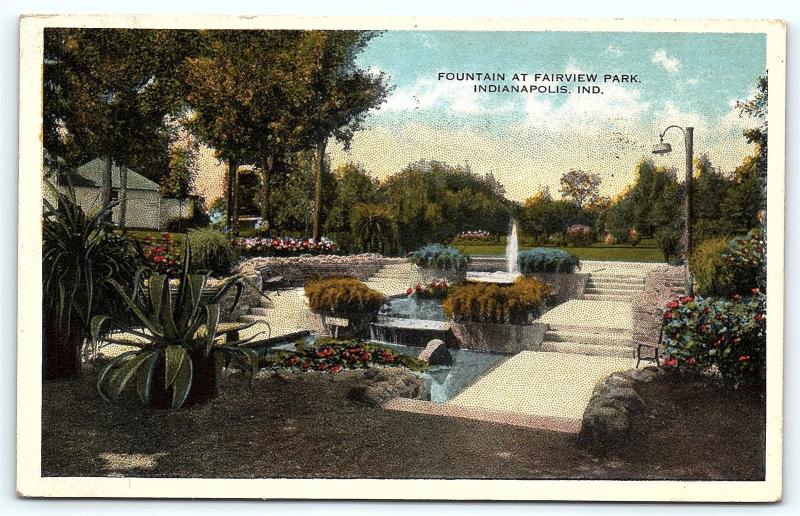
<point>211,251</point>
<point>332,356</point>
<point>541,216</point>
<point>726,334</point>
<point>373,229</point>
<point>81,257</point>
<point>579,235</point>
<point>178,353</point>
<point>540,259</point>
<point>723,267</point>
<point>436,256</point>
<point>342,295</point>
<point>634,237</point>
<point>583,188</point>
<point>518,303</point>
<point>183,166</point>
<point>284,246</point>
<point>434,289</point>
<point>352,185</point>
<point>431,201</point>
<point>162,257</point>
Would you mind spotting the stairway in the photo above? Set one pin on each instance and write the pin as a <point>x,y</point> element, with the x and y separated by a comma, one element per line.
<point>282,315</point>
<point>598,324</point>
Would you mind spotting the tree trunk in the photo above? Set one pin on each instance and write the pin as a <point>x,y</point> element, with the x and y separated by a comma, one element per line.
<point>266,173</point>
<point>106,184</point>
<point>229,194</point>
<point>319,162</point>
<point>235,202</point>
<point>123,195</point>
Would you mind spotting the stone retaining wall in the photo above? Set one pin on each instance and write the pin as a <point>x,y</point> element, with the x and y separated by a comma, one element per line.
<point>297,269</point>
<point>662,284</point>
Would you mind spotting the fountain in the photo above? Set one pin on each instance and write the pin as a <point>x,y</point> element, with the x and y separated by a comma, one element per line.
<point>512,270</point>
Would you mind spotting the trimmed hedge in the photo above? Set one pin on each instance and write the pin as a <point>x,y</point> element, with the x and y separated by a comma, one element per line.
<point>212,250</point>
<point>342,295</point>
<point>517,303</point>
<point>542,259</point>
<point>436,256</point>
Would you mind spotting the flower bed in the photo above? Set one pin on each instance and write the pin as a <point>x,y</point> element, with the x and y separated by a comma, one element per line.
<point>162,257</point>
<point>727,335</point>
<point>434,289</point>
<point>333,356</point>
<point>263,246</point>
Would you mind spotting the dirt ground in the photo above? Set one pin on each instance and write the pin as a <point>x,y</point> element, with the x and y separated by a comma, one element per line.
<point>306,427</point>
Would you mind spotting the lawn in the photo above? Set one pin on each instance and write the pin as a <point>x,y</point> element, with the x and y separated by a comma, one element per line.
<point>646,251</point>
<point>304,425</point>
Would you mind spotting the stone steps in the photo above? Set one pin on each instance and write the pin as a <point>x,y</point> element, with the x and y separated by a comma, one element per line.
<point>612,291</point>
<point>590,336</point>
<point>579,348</point>
<point>616,280</point>
<point>608,297</point>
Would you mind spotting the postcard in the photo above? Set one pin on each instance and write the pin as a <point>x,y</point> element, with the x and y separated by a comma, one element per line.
<point>401,258</point>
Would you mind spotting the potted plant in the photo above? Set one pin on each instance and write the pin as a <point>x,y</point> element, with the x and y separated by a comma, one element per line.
<point>81,256</point>
<point>179,354</point>
<point>556,267</point>
<point>500,318</point>
<point>438,261</point>
<point>344,297</point>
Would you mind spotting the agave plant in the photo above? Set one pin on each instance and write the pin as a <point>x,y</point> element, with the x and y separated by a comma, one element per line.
<point>81,255</point>
<point>179,353</point>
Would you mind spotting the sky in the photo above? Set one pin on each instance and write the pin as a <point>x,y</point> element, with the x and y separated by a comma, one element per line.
<point>528,140</point>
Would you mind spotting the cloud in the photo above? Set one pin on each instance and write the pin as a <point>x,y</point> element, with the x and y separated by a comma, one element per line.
<point>670,64</point>
<point>428,94</point>
<point>614,50</point>
<point>692,82</point>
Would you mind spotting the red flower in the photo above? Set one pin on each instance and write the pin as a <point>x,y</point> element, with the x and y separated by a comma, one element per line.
<point>736,297</point>
<point>672,304</point>
<point>759,316</point>
<point>744,358</point>
<point>690,361</point>
<point>668,314</point>
<point>670,361</point>
<point>755,291</point>
<point>322,367</point>
<point>409,291</point>
<point>335,368</point>
<point>306,364</point>
<point>687,299</point>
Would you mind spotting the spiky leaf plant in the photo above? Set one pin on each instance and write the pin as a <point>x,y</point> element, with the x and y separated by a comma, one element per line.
<point>179,353</point>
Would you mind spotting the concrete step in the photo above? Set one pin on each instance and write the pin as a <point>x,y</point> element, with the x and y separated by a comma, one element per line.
<point>595,338</point>
<point>607,297</point>
<point>616,280</point>
<point>261,311</point>
<point>588,328</point>
<point>253,318</point>
<point>613,291</point>
<point>587,349</point>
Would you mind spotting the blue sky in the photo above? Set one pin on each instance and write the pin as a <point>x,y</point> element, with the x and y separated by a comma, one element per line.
<point>528,140</point>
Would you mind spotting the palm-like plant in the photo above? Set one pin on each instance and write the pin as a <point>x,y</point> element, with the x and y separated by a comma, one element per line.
<point>179,353</point>
<point>81,256</point>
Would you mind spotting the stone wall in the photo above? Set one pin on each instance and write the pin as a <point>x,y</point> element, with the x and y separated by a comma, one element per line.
<point>297,269</point>
<point>662,284</point>
<point>565,286</point>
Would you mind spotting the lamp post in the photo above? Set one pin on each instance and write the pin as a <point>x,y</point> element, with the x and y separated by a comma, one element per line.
<point>664,148</point>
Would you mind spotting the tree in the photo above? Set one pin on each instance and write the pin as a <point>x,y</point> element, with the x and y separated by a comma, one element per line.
<point>354,185</point>
<point>582,187</point>
<point>107,92</point>
<point>337,95</point>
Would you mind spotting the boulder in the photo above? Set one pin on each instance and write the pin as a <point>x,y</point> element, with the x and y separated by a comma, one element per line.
<point>436,353</point>
<point>629,398</point>
<point>380,384</point>
<point>606,424</point>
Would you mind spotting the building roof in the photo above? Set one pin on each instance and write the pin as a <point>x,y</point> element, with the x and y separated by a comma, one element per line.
<point>91,175</point>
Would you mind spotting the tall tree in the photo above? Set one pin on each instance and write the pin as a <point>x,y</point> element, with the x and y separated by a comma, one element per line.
<point>107,92</point>
<point>582,187</point>
<point>337,95</point>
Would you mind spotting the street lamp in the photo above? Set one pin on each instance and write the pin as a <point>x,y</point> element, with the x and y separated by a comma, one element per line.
<point>663,148</point>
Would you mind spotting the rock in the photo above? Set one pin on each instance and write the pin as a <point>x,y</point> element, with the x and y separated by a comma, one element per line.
<point>619,379</point>
<point>629,398</point>
<point>436,353</point>
<point>643,375</point>
<point>379,385</point>
<point>606,424</point>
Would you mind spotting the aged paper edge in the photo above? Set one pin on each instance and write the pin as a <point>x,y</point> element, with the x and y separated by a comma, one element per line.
<point>29,479</point>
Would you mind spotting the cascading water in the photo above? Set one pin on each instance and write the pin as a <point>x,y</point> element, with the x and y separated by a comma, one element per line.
<point>511,249</point>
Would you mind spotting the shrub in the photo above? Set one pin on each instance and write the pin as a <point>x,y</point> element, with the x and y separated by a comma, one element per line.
<point>728,335</point>
<point>81,257</point>
<point>722,268</point>
<point>518,303</point>
<point>634,237</point>
<point>542,259</point>
<point>162,257</point>
<point>437,256</point>
<point>579,235</point>
<point>332,356</point>
<point>668,241</point>
<point>342,295</point>
<point>373,229</point>
<point>179,356</point>
<point>212,251</point>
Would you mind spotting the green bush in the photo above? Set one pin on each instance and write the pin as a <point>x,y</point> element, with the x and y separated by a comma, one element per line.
<point>723,267</point>
<point>373,230</point>
<point>518,303</point>
<point>728,335</point>
<point>579,235</point>
<point>436,256</point>
<point>541,259</point>
<point>342,295</point>
<point>212,250</point>
<point>668,241</point>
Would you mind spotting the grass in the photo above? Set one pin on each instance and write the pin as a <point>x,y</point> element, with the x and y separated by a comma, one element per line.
<point>646,251</point>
